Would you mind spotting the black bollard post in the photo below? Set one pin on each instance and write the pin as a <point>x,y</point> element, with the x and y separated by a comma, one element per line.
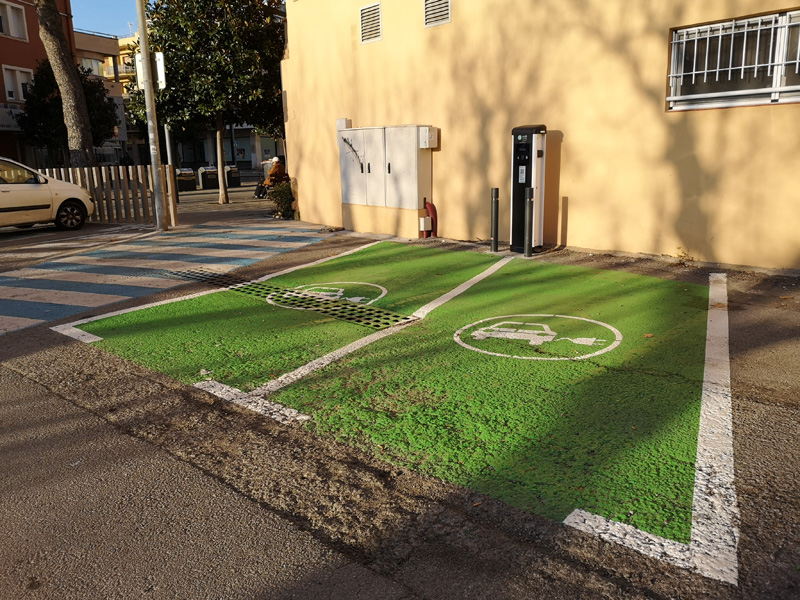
<point>528,222</point>
<point>495,209</point>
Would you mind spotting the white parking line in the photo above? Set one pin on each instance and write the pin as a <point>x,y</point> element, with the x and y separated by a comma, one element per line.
<point>423,312</point>
<point>277,412</point>
<point>715,514</point>
<point>322,362</point>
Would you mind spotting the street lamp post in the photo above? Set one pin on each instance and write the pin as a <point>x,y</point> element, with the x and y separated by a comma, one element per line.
<point>152,126</point>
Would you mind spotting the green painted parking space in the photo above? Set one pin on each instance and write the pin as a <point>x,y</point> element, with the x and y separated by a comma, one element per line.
<point>595,409</point>
<point>552,388</point>
<point>245,339</point>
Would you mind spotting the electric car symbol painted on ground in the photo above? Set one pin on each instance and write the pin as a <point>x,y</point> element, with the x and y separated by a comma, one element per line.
<point>535,333</point>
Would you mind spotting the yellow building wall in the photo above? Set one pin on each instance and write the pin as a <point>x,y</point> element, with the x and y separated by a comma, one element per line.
<point>623,173</point>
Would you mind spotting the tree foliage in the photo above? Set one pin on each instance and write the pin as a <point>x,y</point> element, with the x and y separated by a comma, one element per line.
<point>42,121</point>
<point>223,65</point>
<point>222,59</point>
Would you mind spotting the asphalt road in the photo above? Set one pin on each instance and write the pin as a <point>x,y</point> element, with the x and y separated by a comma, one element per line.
<point>107,264</point>
<point>117,482</point>
<point>89,512</point>
<point>22,247</point>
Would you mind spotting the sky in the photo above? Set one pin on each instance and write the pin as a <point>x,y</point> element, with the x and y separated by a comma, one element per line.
<point>105,16</point>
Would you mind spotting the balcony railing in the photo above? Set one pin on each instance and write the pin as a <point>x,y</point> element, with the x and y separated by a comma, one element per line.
<point>123,70</point>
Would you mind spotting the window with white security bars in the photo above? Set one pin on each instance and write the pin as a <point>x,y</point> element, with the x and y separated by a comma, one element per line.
<point>371,23</point>
<point>437,12</point>
<point>740,62</point>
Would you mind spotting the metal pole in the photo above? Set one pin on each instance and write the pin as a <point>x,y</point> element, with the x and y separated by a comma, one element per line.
<point>495,209</point>
<point>168,141</point>
<point>528,221</point>
<point>540,209</point>
<point>152,126</point>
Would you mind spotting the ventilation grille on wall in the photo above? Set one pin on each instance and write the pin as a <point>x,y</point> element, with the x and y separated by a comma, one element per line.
<point>437,12</point>
<point>371,23</point>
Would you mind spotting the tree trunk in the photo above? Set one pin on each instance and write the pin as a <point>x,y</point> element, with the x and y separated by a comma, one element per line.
<point>76,115</point>
<point>223,181</point>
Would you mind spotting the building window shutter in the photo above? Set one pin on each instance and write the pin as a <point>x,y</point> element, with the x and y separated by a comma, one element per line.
<point>371,23</point>
<point>437,12</point>
<point>12,21</point>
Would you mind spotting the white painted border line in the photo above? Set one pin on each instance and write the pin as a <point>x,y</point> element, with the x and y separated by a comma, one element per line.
<point>715,514</point>
<point>322,362</point>
<point>715,518</point>
<point>71,330</point>
<point>423,312</point>
<point>277,412</point>
<point>260,394</point>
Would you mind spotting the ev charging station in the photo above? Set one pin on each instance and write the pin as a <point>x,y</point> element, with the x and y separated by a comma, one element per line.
<point>527,171</point>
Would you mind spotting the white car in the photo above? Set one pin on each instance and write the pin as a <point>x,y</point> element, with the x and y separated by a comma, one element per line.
<point>27,197</point>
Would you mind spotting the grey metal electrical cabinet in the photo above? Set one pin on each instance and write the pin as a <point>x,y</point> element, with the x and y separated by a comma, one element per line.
<point>387,166</point>
<point>408,168</point>
<point>352,154</point>
<point>375,157</point>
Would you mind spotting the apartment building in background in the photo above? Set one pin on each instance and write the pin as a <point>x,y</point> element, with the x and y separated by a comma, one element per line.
<point>20,51</point>
<point>99,53</point>
<point>670,126</point>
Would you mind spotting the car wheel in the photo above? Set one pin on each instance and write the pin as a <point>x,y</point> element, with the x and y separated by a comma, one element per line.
<point>70,215</point>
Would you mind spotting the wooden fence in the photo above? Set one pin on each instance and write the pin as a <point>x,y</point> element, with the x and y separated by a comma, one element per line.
<point>123,194</point>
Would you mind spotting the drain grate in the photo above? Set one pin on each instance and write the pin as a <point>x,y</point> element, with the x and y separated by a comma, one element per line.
<point>219,279</point>
<point>261,289</point>
<point>362,314</point>
<point>344,310</point>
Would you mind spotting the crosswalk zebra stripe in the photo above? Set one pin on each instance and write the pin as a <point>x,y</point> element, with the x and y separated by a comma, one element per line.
<point>251,254</point>
<point>221,243</point>
<point>29,274</point>
<point>64,297</point>
<point>40,311</point>
<point>8,323</point>
<point>56,286</point>
<point>221,265</point>
<point>72,282</point>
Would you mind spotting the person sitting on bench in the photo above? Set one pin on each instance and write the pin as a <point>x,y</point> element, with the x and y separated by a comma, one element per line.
<point>277,173</point>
